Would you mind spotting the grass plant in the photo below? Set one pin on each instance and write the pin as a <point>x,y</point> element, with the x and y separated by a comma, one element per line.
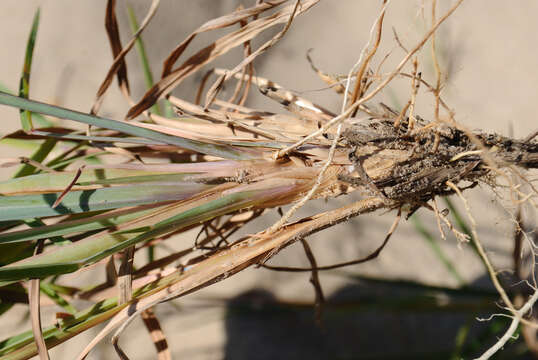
<point>219,165</point>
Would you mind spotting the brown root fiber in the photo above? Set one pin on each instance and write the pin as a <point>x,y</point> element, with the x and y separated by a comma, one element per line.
<point>414,166</point>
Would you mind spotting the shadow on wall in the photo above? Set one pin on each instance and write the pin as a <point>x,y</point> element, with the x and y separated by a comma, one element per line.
<point>371,319</point>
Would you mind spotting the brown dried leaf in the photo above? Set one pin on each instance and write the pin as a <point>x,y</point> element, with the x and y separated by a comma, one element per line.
<point>212,93</point>
<point>218,23</point>
<point>157,334</point>
<point>119,66</point>
<point>113,33</point>
<point>211,52</point>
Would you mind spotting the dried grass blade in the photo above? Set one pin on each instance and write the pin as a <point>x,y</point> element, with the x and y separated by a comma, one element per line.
<point>119,66</point>
<point>213,51</point>
<point>125,289</point>
<point>222,151</point>
<point>304,109</point>
<point>212,93</point>
<point>297,105</point>
<point>330,80</point>
<point>218,23</point>
<point>113,33</point>
<point>119,351</point>
<point>203,130</point>
<point>223,117</point>
<point>314,280</point>
<point>68,188</point>
<point>157,335</point>
<point>369,257</point>
<point>247,50</point>
<point>233,260</point>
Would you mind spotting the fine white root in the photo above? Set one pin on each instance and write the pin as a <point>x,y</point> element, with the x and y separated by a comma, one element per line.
<point>512,328</point>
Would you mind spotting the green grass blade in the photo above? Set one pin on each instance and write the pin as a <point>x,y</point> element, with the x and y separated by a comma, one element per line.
<point>39,119</point>
<point>26,145</point>
<point>13,252</point>
<point>40,205</point>
<point>24,85</point>
<point>86,158</point>
<point>22,346</point>
<point>462,225</point>
<point>222,151</point>
<point>168,109</point>
<point>459,219</point>
<point>430,239</point>
<point>69,258</point>
<point>126,140</point>
<point>100,221</point>
<point>41,153</point>
<point>143,179</point>
<point>58,239</point>
<point>50,292</point>
<point>15,272</point>
<point>141,49</point>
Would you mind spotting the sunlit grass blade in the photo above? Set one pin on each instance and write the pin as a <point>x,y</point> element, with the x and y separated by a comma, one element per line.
<point>24,85</point>
<point>40,205</point>
<point>222,151</point>
<point>91,223</point>
<point>94,249</point>
<point>58,181</point>
<point>13,273</point>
